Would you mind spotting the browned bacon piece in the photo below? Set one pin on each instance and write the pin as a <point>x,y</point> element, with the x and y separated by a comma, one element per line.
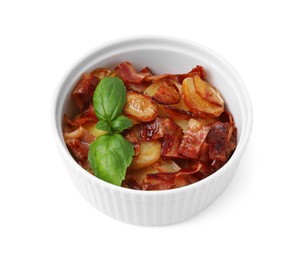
<point>78,149</point>
<point>164,181</point>
<point>147,72</point>
<point>193,139</point>
<point>159,181</point>
<point>177,113</point>
<point>84,90</point>
<point>171,139</point>
<point>131,182</point>
<point>157,77</point>
<point>130,136</point>
<point>88,115</point>
<point>78,141</point>
<point>140,87</point>
<point>217,140</point>
<point>204,153</point>
<point>164,92</point>
<point>198,70</point>
<point>128,73</point>
<point>152,130</point>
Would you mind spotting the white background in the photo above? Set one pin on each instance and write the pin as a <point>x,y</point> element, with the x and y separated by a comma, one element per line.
<point>43,216</point>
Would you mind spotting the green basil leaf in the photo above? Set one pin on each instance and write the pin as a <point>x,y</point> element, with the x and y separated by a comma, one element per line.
<point>109,98</point>
<point>121,123</point>
<point>104,125</point>
<point>109,157</point>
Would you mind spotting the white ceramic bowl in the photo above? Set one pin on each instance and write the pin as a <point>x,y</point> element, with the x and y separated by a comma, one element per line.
<point>162,55</point>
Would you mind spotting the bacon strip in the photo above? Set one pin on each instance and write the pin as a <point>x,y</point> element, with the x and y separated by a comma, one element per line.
<point>193,139</point>
<point>84,90</point>
<point>165,181</point>
<point>171,139</point>
<point>147,72</point>
<point>217,139</point>
<point>198,70</point>
<point>130,136</point>
<point>87,115</point>
<point>78,149</point>
<point>152,130</point>
<point>158,77</point>
<point>177,113</point>
<point>128,73</point>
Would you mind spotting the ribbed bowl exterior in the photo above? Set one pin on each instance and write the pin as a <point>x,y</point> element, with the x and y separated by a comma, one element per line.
<point>140,209</point>
<point>167,55</point>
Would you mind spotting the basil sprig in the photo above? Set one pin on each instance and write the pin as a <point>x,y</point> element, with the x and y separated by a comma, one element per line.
<point>109,100</point>
<point>110,154</point>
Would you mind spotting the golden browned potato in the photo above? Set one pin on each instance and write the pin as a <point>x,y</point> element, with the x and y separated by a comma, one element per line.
<point>140,106</point>
<point>195,102</point>
<point>208,92</point>
<point>149,153</point>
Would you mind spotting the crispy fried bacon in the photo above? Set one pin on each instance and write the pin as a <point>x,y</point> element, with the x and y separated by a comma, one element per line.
<point>171,139</point>
<point>88,115</point>
<point>193,139</point>
<point>139,87</point>
<point>147,72</point>
<point>152,130</point>
<point>158,77</point>
<point>159,181</point>
<point>130,136</point>
<point>218,141</point>
<point>128,73</point>
<point>78,149</point>
<point>78,143</point>
<point>84,90</point>
<point>182,131</point>
<point>177,113</point>
<point>198,70</point>
<point>163,92</point>
<point>170,180</point>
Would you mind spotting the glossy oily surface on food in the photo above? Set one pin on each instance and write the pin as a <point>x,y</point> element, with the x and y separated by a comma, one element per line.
<point>179,128</point>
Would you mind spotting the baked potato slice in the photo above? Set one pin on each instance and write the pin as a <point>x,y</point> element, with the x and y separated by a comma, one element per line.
<point>149,153</point>
<point>197,104</point>
<point>140,107</point>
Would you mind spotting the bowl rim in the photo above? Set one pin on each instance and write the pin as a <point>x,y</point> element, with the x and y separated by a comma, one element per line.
<point>241,146</point>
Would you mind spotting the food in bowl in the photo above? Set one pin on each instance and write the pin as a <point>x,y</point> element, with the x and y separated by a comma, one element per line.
<point>162,54</point>
<point>144,131</point>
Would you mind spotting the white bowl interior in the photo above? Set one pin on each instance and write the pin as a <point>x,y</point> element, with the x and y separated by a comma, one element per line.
<point>162,56</point>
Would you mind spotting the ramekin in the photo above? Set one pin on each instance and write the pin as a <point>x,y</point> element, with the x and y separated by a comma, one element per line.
<point>162,55</point>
